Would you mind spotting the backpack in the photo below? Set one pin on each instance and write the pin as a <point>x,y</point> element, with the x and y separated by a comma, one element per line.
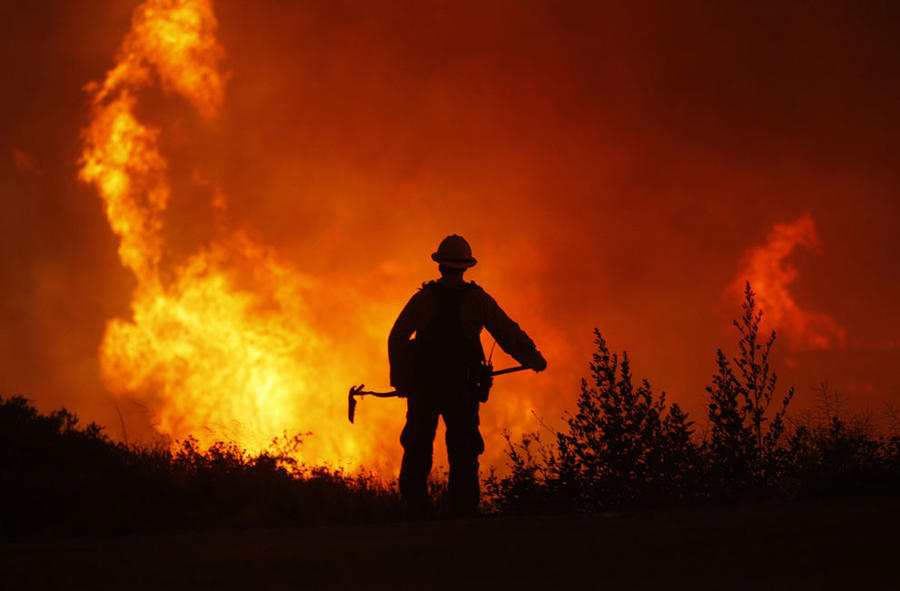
<point>447,356</point>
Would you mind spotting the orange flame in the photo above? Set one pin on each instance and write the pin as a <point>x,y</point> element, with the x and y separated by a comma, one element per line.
<point>225,345</point>
<point>766,269</point>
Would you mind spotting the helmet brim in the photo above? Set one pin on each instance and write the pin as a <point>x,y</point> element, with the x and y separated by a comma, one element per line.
<point>454,263</point>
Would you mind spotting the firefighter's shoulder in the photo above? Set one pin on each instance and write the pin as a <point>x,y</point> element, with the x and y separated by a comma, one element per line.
<point>475,287</point>
<point>425,293</point>
<point>478,291</point>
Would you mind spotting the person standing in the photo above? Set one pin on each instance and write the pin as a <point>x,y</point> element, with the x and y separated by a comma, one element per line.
<point>442,373</point>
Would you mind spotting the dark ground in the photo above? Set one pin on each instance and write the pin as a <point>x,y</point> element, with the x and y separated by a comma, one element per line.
<point>846,544</point>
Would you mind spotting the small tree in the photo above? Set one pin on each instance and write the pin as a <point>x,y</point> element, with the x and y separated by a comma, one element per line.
<point>621,446</point>
<point>745,443</point>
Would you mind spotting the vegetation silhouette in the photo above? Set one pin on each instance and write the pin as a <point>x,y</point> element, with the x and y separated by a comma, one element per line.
<point>624,448</point>
<point>744,449</point>
<point>835,455</point>
<point>60,479</point>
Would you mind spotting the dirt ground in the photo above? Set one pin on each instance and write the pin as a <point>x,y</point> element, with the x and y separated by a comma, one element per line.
<point>810,545</point>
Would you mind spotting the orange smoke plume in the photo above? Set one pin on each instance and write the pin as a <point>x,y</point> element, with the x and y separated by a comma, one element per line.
<point>224,344</point>
<point>770,274</point>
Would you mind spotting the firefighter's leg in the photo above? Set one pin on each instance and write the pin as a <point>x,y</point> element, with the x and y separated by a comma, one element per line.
<point>417,440</point>
<point>464,445</point>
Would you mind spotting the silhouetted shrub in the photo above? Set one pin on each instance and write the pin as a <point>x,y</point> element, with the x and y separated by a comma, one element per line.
<point>622,448</point>
<point>744,449</point>
<point>841,456</point>
<point>59,479</point>
<point>533,485</point>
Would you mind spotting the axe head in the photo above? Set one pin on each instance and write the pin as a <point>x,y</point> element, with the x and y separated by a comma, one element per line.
<point>351,401</point>
<point>351,407</point>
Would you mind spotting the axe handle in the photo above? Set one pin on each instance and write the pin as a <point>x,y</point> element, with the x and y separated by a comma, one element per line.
<point>358,391</point>
<point>391,394</point>
<point>500,372</point>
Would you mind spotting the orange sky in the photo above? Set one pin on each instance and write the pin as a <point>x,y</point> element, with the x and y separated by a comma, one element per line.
<point>619,168</point>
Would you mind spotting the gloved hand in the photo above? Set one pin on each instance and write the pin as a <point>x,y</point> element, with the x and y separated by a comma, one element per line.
<point>402,382</point>
<point>538,363</point>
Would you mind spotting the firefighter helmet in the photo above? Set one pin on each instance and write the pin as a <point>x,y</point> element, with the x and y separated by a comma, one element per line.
<point>454,252</point>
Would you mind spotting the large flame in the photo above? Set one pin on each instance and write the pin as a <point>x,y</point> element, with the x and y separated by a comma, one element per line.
<point>223,345</point>
<point>767,270</point>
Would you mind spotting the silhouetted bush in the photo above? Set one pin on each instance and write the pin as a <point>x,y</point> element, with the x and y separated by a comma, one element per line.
<point>59,479</point>
<point>624,448</point>
<point>532,485</point>
<point>841,456</point>
<point>744,450</point>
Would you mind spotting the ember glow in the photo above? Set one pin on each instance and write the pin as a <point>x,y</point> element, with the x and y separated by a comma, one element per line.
<point>215,239</point>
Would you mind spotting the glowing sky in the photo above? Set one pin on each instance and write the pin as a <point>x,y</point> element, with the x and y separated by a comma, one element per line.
<point>618,166</point>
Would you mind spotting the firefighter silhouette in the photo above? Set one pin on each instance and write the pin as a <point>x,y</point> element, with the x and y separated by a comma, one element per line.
<point>442,373</point>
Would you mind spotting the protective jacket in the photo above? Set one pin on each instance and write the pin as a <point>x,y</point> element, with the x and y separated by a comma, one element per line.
<point>435,371</point>
<point>447,318</point>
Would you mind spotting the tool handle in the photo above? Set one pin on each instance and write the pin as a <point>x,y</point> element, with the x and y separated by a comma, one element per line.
<point>500,372</point>
<point>391,394</point>
<point>358,391</point>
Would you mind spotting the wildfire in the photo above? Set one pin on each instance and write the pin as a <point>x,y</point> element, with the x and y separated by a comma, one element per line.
<point>766,269</point>
<point>223,345</point>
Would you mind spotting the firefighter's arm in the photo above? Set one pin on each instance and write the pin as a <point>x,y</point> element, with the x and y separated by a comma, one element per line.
<point>510,336</point>
<point>400,347</point>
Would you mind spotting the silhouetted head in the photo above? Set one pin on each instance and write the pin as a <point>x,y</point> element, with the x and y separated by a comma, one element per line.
<point>451,273</point>
<point>454,253</point>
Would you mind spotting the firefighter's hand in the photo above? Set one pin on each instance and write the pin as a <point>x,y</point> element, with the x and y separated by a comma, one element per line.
<point>404,387</point>
<point>538,363</point>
